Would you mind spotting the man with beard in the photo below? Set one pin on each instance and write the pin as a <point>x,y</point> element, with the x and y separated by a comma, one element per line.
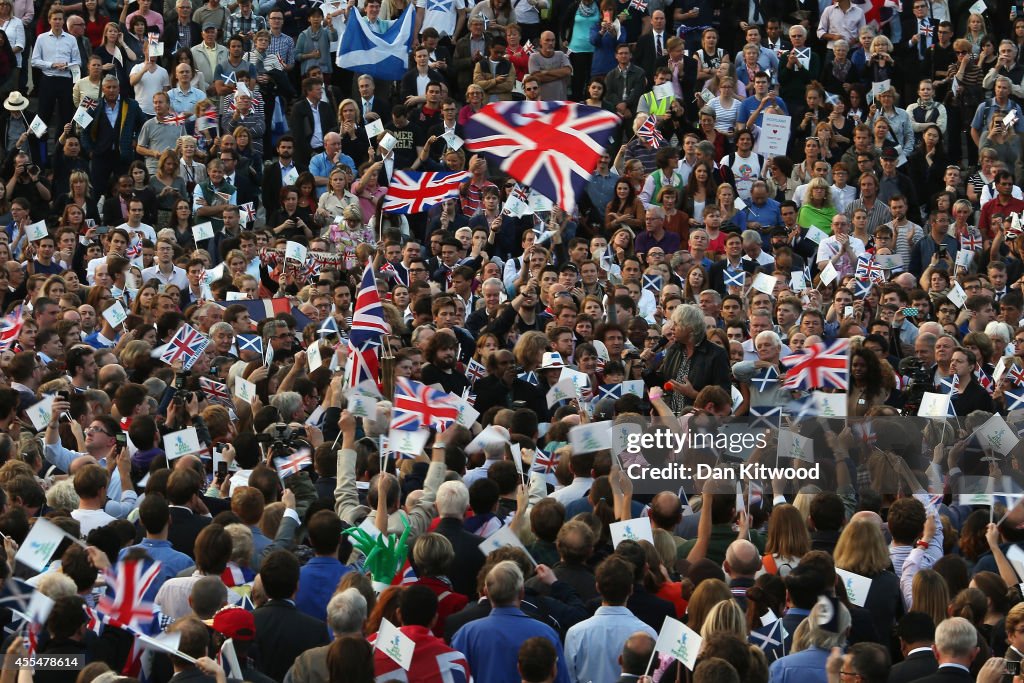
<point>502,387</point>
<point>440,367</point>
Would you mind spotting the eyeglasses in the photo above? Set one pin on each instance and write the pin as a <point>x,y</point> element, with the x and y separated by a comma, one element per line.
<point>93,430</point>
<point>417,270</point>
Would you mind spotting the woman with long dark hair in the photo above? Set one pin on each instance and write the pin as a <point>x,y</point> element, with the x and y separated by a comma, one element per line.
<point>868,386</point>
<point>927,164</point>
<point>625,208</point>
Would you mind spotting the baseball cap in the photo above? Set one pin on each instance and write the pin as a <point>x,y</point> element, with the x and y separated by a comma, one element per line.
<point>234,622</point>
<point>890,153</point>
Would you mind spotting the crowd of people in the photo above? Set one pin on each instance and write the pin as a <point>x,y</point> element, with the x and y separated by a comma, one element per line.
<point>211,166</point>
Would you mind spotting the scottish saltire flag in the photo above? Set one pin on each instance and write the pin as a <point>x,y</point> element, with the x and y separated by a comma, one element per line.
<point>249,342</point>
<point>767,417</point>
<point>385,56</point>
<point>765,378</point>
<point>328,327</point>
<point>553,147</point>
<point>530,377</point>
<point>1014,399</point>
<point>612,391</point>
<point>417,191</point>
<point>862,287</point>
<point>949,385</point>
<point>734,278</point>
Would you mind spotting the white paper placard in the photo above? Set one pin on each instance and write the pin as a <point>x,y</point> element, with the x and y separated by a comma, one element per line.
<point>957,295</point>
<point>857,586</point>
<point>82,117</point>
<point>181,442</point>
<point>979,7</point>
<point>237,296</point>
<point>815,234</point>
<point>830,405</point>
<point>401,441</point>
<point>774,137</point>
<point>488,435</point>
<point>38,127</point>
<point>595,436</point>
<point>678,640</point>
<point>880,87</point>
<point>395,644</point>
<point>503,538</point>
<point>638,529</point>
<point>313,357</point>
<point>964,258</point>
<point>362,406</point>
<point>797,282</point>
<point>793,445</point>
<point>296,252</point>
<point>388,142</point>
<point>663,91</point>
<point>37,231</point>
<point>580,380</point>
<point>76,72</point>
<point>997,435</point>
<point>453,141</point>
<point>765,283</point>
<point>620,436</point>
<point>933,405</point>
<point>828,273</point>
<point>41,543</point>
<point>202,231</point>
<point>115,315</point>
<point>467,413</point>
<point>244,389</point>
<point>373,128</point>
<point>889,261</point>
<point>564,390</point>
<point>634,387</point>
<point>40,413</point>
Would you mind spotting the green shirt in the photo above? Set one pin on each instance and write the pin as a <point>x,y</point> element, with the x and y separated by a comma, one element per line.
<point>721,536</point>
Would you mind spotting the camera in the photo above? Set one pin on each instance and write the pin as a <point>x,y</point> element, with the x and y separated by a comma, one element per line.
<point>942,251</point>
<point>122,440</point>
<point>920,382</point>
<point>282,440</point>
<point>1011,668</point>
<point>63,395</point>
<point>180,379</point>
<point>33,170</point>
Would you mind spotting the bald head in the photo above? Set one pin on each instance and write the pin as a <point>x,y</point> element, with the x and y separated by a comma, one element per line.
<point>906,281</point>
<point>666,511</point>
<point>636,654</point>
<point>742,559</point>
<point>868,516</point>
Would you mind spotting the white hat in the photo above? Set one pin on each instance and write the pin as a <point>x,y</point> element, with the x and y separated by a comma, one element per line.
<point>552,361</point>
<point>16,102</point>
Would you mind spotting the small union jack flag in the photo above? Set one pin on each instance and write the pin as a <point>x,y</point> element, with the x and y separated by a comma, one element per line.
<point>819,366</point>
<point>135,250</point>
<point>983,379</point>
<point>248,211</point>
<point>174,119</point>
<point>475,370</point>
<point>216,392</point>
<point>292,464</point>
<point>1016,375</point>
<point>971,242</point>
<point>865,431</point>
<point>129,581</point>
<point>544,462</point>
<point>390,271</point>
<point>210,114</point>
<point>432,407</point>
<point>649,133</point>
<point>528,48</point>
<point>868,269</point>
<point>187,345</point>
<point>311,270</point>
<point>10,327</point>
<point>89,103</point>
<point>638,5</point>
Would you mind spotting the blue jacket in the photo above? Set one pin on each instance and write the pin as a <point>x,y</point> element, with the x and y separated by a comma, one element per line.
<point>317,580</point>
<point>806,666</point>
<point>491,645</point>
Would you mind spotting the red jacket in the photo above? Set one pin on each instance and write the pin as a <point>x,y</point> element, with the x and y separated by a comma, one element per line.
<point>432,661</point>
<point>448,601</point>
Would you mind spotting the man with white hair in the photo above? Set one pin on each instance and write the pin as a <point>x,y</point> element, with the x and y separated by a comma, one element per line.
<point>491,644</point>
<point>493,452</point>
<point>346,614</point>
<point>452,502</point>
<point>956,646</point>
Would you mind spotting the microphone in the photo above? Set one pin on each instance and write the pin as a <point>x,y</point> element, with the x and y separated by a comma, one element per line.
<point>662,343</point>
<point>669,386</point>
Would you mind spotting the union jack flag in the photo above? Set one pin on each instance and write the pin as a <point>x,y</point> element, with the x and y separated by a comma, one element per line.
<point>544,462</point>
<point>216,392</point>
<point>129,581</point>
<point>553,147</point>
<point>528,48</point>
<point>311,270</point>
<point>868,269</point>
<point>971,241</point>
<point>292,464</point>
<point>210,115</point>
<point>767,376</point>
<point>10,327</point>
<point>390,271</point>
<point>430,406</point>
<point>820,366</point>
<point>865,432</point>
<point>417,191</point>
<point>1016,374</point>
<point>767,417</point>
<point>649,133</point>
<point>248,211</point>
<point>639,5</point>
<point>187,345</point>
<point>174,119</point>
<point>89,103</point>
<point>135,250</point>
<point>367,330</point>
<point>983,379</point>
<point>475,370</point>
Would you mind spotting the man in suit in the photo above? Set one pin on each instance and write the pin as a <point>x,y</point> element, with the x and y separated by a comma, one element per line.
<point>242,179</point>
<point>868,662</point>
<point>76,29</point>
<point>369,101</point>
<point>282,631</point>
<point>635,657</point>
<point>180,33</point>
<point>956,646</point>
<point>452,502</point>
<point>650,47</point>
<point>111,138</point>
<point>624,85</point>
<point>280,173</point>
<point>311,120</point>
<point>184,487</point>
<point>920,31</point>
<point>916,632</point>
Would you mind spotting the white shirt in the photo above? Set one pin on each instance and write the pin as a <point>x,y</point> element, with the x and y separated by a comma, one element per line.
<point>146,231</point>
<point>177,276</point>
<point>15,30</point>
<point>91,519</point>
<point>150,84</point>
<point>829,247</point>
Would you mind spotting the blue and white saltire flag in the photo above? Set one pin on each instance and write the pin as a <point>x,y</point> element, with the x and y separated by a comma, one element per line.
<point>613,391</point>
<point>768,376</point>
<point>1014,399</point>
<point>385,56</point>
<point>767,417</point>
<point>735,278</point>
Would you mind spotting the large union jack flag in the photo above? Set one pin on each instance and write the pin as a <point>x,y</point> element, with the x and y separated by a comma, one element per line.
<point>553,147</point>
<point>292,464</point>
<point>366,332</point>
<point>10,327</point>
<point>187,345</point>
<point>417,191</point>
<point>428,406</point>
<point>819,367</point>
<point>130,581</point>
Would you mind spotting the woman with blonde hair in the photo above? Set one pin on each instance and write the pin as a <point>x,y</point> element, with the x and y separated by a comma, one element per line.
<point>79,194</point>
<point>861,549</point>
<point>788,540</point>
<point>931,595</point>
<point>337,198</point>
<point>529,350</point>
<point>476,98</point>
<point>817,209</point>
<point>725,617</point>
<point>354,141</point>
<point>708,593</point>
<point>168,186</point>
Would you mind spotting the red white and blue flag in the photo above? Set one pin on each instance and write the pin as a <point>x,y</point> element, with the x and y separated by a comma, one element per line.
<point>983,379</point>
<point>417,191</point>
<point>553,147</point>
<point>971,242</point>
<point>868,269</point>
<point>430,406</point>
<point>367,330</point>
<point>649,133</point>
<point>174,119</point>
<point>292,464</point>
<point>475,370</point>
<point>10,327</point>
<point>216,392</point>
<point>187,345</point>
<point>819,367</point>
<point>1016,374</point>
<point>130,581</point>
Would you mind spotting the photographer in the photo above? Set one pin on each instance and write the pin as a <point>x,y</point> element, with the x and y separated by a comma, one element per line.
<point>26,181</point>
